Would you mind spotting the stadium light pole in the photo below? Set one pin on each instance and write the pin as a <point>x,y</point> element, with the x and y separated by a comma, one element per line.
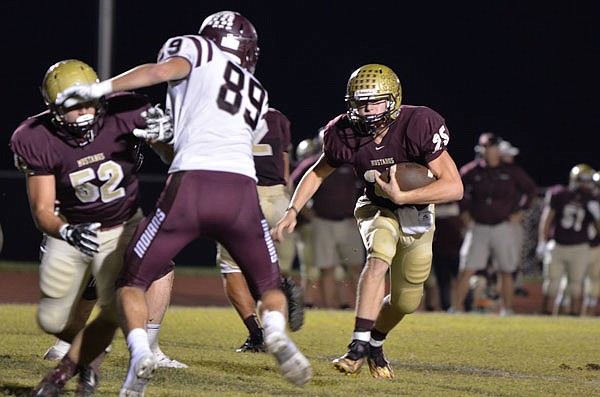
<point>105,37</point>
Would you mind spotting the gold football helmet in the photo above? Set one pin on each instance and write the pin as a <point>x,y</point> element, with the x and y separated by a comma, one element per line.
<point>581,175</point>
<point>371,83</point>
<point>61,76</point>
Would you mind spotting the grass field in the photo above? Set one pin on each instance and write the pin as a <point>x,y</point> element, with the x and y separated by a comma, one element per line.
<point>433,354</point>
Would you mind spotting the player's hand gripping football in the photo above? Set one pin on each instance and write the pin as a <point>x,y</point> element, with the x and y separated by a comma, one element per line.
<point>159,125</point>
<point>82,236</point>
<point>390,188</point>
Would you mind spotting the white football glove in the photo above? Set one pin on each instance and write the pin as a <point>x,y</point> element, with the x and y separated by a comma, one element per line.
<point>82,236</point>
<point>541,249</point>
<point>159,125</point>
<point>84,92</point>
<point>594,208</point>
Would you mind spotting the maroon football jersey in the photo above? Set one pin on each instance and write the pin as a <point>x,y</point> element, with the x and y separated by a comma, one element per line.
<point>336,197</point>
<point>301,168</point>
<point>95,182</point>
<point>268,152</point>
<point>493,194</point>
<point>593,233</point>
<point>418,135</point>
<point>572,218</point>
<point>449,227</point>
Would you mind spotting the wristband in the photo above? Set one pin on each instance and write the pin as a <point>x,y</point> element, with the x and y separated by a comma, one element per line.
<point>291,207</point>
<point>103,88</point>
<point>63,231</point>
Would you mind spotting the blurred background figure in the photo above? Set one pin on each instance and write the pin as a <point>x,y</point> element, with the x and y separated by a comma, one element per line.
<point>431,299</point>
<point>592,280</point>
<point>303,236</point>
<point>563,241</point>
<point>496,194</point>
<point>507,154</point>
<point>338,251</point>
<point>449,232</point>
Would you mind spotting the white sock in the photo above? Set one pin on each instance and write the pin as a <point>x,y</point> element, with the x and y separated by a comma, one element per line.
<point>364,336</point>
<point>62,346</point>
<point>137,342</point>
<point>273,321</point>
<point>153,330</point>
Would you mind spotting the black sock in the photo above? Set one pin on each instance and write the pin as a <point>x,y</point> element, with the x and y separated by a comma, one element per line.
<point>377,335</point>
<point>363,325</point>
<point>253,326</point>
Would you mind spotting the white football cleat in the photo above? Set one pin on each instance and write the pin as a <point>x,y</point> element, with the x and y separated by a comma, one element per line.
<point>292,363</point>
<point>164,361</point>
<point>57,351</point>
<point>135,384</point>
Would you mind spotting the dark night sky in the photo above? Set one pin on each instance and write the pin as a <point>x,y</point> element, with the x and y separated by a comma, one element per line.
<point>528,73</point>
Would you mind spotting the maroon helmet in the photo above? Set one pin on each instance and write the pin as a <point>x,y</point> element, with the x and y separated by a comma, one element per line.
<point>235,34</point>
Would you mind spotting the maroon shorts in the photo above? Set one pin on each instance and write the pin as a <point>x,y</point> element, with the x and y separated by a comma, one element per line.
<point>222,206</point>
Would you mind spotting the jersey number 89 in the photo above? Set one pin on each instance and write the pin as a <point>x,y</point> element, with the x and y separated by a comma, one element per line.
<point>230,94</point>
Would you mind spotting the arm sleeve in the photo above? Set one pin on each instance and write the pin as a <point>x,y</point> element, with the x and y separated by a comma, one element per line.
<point>31,154</point>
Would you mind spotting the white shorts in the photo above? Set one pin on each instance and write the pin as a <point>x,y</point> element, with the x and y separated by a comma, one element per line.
<point>497,242</point>
<point>337,243</point>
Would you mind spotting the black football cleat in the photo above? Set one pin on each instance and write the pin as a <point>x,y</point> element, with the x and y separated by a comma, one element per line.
<point>351,363</point>
<point>253,345</point>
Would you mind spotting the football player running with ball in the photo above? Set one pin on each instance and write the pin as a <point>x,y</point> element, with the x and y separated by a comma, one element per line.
<point>375,133</point>
<point>218,107</point>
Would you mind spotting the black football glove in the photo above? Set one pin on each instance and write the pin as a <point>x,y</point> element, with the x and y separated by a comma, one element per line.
<point>82,236</point>
<point>295,301</point>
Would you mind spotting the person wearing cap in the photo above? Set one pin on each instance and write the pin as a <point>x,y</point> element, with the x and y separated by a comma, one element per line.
<point>496,194</point>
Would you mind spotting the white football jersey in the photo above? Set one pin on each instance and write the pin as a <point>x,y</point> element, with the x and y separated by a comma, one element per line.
<point>216,110</point>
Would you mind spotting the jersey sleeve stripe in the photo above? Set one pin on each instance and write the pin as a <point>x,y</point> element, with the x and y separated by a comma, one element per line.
<point>200,44</point>
<point>199,48</point>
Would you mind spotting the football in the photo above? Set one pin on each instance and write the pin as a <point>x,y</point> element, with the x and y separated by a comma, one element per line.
<point>410,176</point>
